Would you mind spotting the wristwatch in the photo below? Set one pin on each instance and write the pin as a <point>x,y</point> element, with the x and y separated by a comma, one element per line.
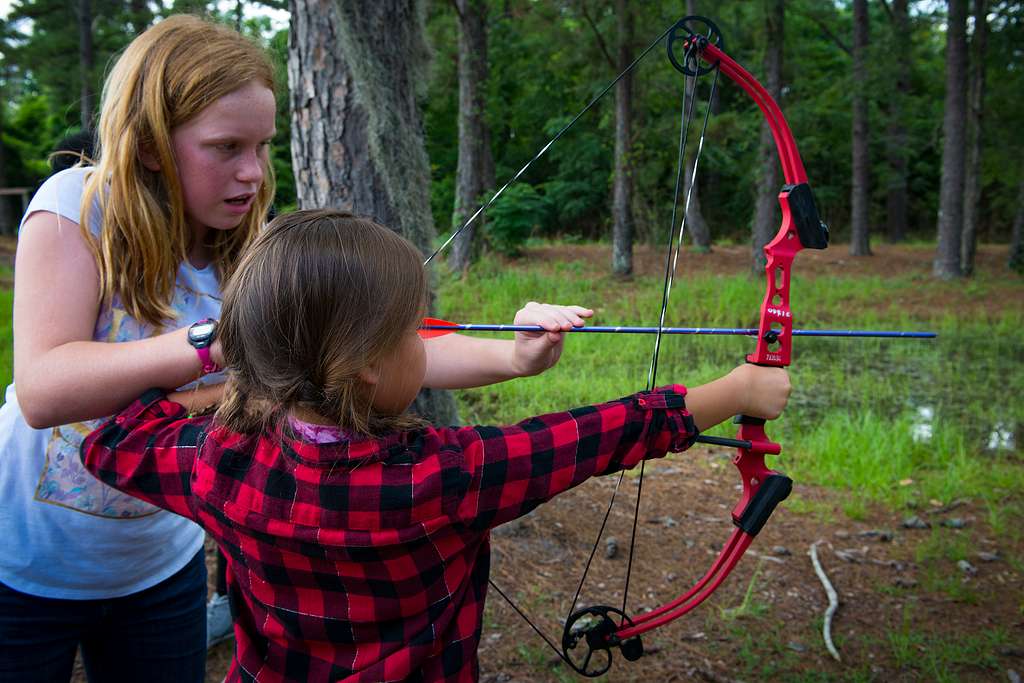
<point>201,336</point>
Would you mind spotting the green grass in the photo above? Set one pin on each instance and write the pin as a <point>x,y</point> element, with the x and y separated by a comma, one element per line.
<point>945,658</point>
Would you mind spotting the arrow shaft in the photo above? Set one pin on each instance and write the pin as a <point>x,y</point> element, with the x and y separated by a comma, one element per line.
<point>744,331</point>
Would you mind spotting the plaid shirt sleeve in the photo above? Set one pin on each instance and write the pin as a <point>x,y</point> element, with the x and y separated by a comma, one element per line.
<point>148,450</point>
<point>511,470</point>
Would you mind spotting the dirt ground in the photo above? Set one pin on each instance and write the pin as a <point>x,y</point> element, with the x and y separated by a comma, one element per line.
<point>904,615</point>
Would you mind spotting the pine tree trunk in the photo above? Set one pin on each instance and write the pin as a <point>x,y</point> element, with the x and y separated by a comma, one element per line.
<point>1016,260</point>
<point>766,213</point>
<point>475,172</point>
<point>700,234</point>
<point>85,62</point>
<point>896,147</point>
<point>860,192</point>
<point>972,181</point>
<point>623,227</point>
<point>951,189</point>
<point>355,70</point>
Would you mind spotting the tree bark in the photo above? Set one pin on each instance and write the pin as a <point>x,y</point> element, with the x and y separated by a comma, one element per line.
<point>355,70</point>
<point>976,95</point>
<point>474,174</point>
<point>951,189</point>
<point>766,213</point>
<point>623,226</point>
<point>1016,260</point>
<point>700,234</point>
<point>896,190</point>
<point>860,191</point>
<point>85,62</point>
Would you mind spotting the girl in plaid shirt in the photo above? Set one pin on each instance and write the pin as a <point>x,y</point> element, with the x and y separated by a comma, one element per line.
<point>357,535</point>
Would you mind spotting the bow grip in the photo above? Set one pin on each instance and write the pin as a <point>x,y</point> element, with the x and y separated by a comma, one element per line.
<point>763,489</point>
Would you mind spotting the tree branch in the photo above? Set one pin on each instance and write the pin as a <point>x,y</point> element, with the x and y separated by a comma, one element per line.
<point>597,34</point>
<point>828,32</point>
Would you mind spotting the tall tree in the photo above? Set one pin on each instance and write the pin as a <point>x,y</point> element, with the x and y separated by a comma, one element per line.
<point>896,143</point>
<point>86,58</point>
<point>1016,260</point>
<point>623,227</point>
<point>951,190</point>
<point>860,191</point>
<point>700,234</point>
<point>475,172</point>
<point>975,104</point>
<point>765,221</point>
<point>355,71</point>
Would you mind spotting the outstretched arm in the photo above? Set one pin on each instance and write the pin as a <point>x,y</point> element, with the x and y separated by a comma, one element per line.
<point>511,470</point>
<point>456,361</point>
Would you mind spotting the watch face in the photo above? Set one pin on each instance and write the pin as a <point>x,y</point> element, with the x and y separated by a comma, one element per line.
<point>201,332</point>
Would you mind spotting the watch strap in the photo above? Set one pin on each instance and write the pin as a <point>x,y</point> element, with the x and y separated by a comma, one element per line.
<point>209,365</point>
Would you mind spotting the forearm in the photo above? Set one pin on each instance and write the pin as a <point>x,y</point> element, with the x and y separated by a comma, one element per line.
<point>83,380</point>
<point>714,402</point>
<point>456,361</point>
<point>748,389</point>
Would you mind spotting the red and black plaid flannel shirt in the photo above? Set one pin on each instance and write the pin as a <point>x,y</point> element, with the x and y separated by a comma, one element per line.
<point>367,560</point>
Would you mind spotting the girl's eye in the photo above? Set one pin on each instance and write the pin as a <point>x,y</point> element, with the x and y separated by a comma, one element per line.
<point>226,147</point>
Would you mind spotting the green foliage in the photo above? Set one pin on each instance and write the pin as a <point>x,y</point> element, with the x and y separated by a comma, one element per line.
<point>29,135</point>
<point>514,217</point>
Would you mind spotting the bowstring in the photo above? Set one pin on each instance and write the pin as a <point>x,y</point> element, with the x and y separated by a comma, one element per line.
<point>671,269</point>
<point>685,117</point>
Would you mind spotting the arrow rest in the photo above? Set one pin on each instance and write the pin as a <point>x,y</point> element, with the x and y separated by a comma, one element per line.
<point>594,628</point>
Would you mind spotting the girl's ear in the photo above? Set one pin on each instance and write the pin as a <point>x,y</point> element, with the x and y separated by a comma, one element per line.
<point>148,159</point>
<point>370,375</point>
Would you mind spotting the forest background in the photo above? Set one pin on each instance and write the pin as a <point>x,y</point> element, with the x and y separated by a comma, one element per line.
<point>545,59</point>
<point>905,454</point>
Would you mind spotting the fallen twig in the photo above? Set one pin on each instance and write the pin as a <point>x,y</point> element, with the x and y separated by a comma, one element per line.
<point>833,602</point>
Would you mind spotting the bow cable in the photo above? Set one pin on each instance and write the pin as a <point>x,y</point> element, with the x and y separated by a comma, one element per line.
<point>670,275</point>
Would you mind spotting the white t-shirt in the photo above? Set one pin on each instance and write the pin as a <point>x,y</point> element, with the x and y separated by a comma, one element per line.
<point>63,533</point>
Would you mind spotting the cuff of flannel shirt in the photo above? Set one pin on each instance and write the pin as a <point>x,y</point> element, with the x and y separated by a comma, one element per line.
<point>153,403</point>
<point>671,399</point>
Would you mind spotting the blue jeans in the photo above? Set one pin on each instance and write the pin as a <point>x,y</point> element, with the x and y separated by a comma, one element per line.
<point>157,635</point>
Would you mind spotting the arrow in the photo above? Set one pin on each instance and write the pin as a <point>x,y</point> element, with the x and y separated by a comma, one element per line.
<point>434,327</point>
